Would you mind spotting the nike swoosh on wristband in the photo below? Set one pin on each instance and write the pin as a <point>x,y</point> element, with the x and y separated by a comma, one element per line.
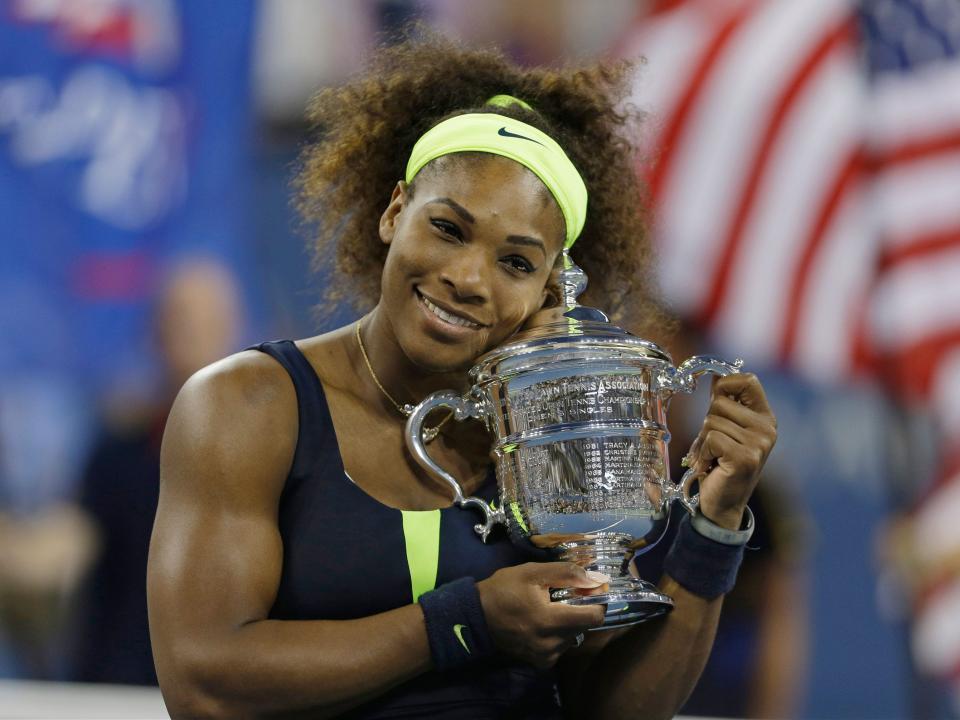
<point>458,631</point>
<point>506,133</point>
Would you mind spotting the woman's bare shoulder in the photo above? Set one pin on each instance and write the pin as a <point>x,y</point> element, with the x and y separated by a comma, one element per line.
<point>233,426</point>
<point>246,382</point>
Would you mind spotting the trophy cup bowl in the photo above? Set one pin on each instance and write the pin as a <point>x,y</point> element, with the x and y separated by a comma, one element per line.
<point>577,411</point>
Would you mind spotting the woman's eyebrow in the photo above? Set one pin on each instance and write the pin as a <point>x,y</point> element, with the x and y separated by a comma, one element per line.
<point>456,207</point>
<point>525,240</point>
<point>468,217</point>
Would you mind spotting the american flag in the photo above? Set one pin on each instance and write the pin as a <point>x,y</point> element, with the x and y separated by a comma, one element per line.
<point>756,155</point>
<point>804,162</point>
<point>914,51</point>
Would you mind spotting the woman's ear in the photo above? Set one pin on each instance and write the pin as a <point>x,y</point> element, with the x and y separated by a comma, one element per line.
<point>388,221</point>
<point>552,295</point>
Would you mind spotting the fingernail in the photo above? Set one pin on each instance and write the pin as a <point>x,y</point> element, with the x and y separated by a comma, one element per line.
<point>598,577</point>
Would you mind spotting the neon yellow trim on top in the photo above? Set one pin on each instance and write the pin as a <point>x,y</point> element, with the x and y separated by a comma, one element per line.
<point>421,534</point>
<point>573,326</point>
<point>523,143</point>
<point>507,101</point>
<point>518,517</point>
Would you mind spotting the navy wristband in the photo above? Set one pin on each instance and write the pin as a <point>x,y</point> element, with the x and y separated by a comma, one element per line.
<point>703,566</point>
<point>456,626</point>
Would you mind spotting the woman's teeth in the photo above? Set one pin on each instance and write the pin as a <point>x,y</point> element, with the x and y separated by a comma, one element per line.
<point>448,317</point>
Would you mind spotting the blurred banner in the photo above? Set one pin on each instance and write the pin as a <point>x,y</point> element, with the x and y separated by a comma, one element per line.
<point>124,141</point>
<point>804,161</point>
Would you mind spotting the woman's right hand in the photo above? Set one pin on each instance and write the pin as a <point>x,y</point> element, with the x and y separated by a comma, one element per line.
<point>524,623</point>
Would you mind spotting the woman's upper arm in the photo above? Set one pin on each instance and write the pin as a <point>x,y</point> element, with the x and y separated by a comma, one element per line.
<point>216,553</point>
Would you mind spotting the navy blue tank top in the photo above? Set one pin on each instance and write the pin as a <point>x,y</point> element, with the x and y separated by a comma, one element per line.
<point>346,555</point>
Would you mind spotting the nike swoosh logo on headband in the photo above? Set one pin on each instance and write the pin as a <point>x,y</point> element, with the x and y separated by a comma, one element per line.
<point>506,133</point>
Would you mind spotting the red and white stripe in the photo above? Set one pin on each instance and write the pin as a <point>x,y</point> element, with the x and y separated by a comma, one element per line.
<point>756,172</point>
<point>808,220</point>
<point>915,315</point>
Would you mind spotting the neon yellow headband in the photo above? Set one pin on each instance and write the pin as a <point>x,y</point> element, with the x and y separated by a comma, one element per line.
<point>500,135</point>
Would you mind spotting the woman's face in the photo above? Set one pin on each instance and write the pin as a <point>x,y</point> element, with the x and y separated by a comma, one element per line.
<point>470,255</point>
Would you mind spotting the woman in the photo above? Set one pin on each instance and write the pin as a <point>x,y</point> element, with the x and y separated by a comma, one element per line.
<point>301,563</point>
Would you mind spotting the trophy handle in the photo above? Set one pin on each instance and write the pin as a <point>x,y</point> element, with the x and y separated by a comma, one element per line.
<point>462,408</point>
<point>684,379</point>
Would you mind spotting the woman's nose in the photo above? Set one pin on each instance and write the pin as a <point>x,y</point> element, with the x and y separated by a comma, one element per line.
<point>468,276</point>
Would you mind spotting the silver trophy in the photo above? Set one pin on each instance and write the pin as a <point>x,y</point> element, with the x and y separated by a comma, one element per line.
<point>577,409</point>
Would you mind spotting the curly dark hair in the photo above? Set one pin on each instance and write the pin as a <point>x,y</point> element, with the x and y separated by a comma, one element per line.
<point>367,127</point>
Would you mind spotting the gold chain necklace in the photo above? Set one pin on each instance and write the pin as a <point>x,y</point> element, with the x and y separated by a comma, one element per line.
<point>429,434</point>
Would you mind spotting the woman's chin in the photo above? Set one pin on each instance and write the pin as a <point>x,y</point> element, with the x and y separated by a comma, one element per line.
<point>454,358</point>
<point>544,317</point>
<point>441,363</point>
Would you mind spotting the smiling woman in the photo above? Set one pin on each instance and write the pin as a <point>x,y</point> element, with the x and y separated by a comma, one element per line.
<point>302,564</point>
<point>367,129</point>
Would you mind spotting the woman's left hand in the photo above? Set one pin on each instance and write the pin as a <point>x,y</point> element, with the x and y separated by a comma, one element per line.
<point>737,436</point>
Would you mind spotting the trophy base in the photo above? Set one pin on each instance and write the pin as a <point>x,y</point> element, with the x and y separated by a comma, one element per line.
<point>629,601</point>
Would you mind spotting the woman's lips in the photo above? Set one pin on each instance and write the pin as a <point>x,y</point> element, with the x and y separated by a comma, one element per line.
<point>448,319</point>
